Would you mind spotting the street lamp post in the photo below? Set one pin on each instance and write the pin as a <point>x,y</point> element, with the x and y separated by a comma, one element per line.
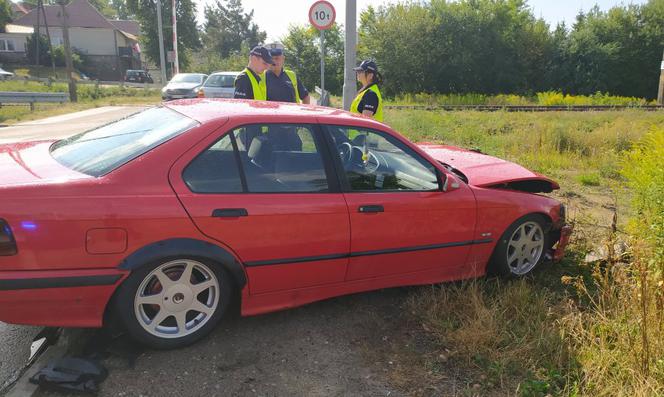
<point>176,64</point>
<point>162,58</point>
<point>350,84</point>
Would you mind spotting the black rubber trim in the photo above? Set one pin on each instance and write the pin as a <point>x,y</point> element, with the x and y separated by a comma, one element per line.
<point>419,248</point>
<point>365,253</point>
<point>58,282</point>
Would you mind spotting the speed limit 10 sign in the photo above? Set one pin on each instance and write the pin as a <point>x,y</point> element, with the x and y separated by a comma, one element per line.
<point>322,15</point>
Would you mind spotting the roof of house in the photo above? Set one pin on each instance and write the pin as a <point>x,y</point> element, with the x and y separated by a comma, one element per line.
<point>18,8</point>
<point>80,14</point>
<point>127,26</point>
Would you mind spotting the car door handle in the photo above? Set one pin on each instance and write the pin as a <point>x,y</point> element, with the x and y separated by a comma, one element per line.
<point>371,208</point>
<point>229,212</point>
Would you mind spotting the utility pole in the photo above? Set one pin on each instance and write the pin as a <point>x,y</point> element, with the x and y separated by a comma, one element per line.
<point>70,68</point>
<point>38,38</point>
<point>48,36</point>
<point>350,81</point>
<point>176,63</point>
<point>660,93</point>
<point>162,58</point>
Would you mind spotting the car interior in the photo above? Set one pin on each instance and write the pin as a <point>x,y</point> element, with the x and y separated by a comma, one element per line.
<point>284,158</point>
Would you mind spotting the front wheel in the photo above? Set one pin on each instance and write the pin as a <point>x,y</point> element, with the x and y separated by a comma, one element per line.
<point>173,303</point>
<point>521,248</point>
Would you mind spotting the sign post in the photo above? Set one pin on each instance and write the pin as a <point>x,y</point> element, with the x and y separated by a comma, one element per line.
<point>322,16</point>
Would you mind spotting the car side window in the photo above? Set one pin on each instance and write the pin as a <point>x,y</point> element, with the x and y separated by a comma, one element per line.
<point>274,158</point>
<point>375,161</point>
<point>281,158</point>
<point>215,170</point>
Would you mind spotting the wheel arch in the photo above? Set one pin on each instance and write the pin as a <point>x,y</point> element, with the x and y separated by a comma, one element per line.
<point>178,247</point>
<point>187,247</point>
<point>547,228</point>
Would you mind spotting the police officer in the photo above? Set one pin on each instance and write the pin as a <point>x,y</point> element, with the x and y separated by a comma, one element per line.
<point>250,83</point>
<point>283,84</point>
<point>368,101</point>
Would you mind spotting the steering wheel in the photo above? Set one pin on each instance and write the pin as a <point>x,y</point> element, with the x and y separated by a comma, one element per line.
<point>345,152</point>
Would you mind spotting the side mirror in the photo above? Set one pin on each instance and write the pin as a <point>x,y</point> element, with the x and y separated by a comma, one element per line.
<point>450,182</point>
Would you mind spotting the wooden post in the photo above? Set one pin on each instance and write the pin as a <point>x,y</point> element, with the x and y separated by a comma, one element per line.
<point>48,37</point>
<point>70,67</point>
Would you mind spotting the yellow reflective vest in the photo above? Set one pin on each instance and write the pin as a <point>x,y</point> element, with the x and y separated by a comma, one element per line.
<point>293,78</point>
<point>378,115</point>
<point>259,87</point>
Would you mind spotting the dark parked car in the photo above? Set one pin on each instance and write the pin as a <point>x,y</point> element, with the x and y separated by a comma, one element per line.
<point>138,76</point>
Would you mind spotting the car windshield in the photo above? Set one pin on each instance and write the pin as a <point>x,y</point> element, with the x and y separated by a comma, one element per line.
<point>101,150</point>
<point>187,78</point>
<point>220,80</point>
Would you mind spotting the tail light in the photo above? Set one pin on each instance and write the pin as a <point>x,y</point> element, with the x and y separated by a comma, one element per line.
<point>201,93</point>
<point>7,242</point>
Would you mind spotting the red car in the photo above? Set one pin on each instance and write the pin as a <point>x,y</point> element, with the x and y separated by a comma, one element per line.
<point>160,218</point>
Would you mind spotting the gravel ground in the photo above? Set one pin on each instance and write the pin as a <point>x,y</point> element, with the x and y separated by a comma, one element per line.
<point>15,341</point>
<point>323,349</point>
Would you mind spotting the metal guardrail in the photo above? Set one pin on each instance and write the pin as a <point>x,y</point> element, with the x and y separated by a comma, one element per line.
<point>324,96</point>
<point>33,97</point>
<point>526,108</point>
<point>48,82</point>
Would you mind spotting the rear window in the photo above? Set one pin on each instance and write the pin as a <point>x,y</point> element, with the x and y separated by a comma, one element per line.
<point>220,80</point>
<point>100,151</point>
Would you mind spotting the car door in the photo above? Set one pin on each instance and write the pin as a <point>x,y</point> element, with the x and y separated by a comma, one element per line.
<point>402,222</point>
<point>263,190</point>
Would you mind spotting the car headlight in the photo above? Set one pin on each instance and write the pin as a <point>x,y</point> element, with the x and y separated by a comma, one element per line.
<point>164,90</point>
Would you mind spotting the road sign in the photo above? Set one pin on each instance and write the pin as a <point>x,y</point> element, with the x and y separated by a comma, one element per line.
<point>322,15</point>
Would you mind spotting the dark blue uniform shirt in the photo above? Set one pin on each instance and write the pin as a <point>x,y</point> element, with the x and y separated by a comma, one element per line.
<point>280,88</point>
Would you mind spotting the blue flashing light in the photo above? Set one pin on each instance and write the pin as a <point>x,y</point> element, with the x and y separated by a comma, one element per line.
<point>28,225</point>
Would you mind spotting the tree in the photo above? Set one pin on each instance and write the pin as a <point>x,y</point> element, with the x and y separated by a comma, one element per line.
<point>227,27</point>
<point>145,12</point>
<point>617,51</point>
<point>121,9</point>
<point>44,54</point>
<point>5,14</point>
<point>302,46</point>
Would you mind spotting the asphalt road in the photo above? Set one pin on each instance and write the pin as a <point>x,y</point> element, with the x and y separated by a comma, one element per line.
<point>15,340</point>
<point>64,125</point>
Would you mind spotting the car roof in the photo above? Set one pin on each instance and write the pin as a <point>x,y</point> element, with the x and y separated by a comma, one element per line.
<point>224,73</point>
<point>209,109</point>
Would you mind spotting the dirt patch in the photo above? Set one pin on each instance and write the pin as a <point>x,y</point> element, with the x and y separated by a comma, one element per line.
<point>324,349</point>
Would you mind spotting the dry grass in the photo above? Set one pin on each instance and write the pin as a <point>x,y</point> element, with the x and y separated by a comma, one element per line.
<point>576,328</point>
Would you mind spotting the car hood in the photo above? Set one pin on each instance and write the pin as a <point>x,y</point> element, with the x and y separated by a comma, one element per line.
<point>182,86</point>
<point>487,171</point>
<point>28,163</point>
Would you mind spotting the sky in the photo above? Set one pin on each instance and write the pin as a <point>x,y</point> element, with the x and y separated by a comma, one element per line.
<point>274,16</point>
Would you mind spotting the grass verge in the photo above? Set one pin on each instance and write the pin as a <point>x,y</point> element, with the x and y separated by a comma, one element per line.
<point>571,329</point>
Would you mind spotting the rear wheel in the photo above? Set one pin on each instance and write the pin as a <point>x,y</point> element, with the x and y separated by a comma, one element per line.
<point>173,303</point>
<point>521,248</point>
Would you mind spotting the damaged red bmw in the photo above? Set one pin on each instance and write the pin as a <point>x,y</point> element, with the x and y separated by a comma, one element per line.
<point>158,220</point>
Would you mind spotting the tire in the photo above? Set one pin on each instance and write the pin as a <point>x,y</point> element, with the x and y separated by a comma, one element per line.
<point>180,314</point>
<point>521,248</point>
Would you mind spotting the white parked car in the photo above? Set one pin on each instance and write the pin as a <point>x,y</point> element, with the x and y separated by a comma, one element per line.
<point>5,74</point>
<point>219,85</point>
